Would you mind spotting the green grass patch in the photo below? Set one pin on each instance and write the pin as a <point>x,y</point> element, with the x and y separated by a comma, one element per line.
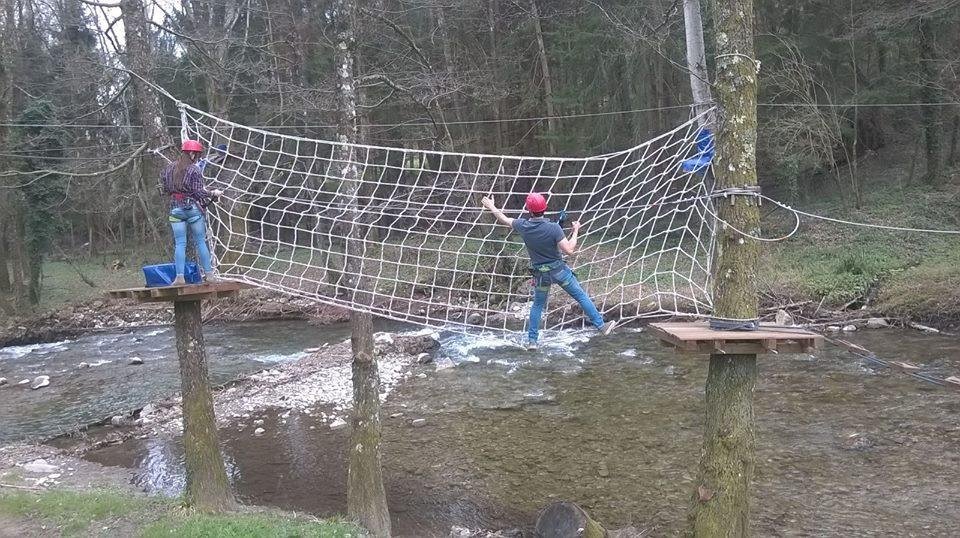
<point>905,273</point>
<point>74,512</point>
<point>247,525</point>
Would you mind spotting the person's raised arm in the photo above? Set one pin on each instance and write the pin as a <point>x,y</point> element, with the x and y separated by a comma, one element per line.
<point>569,246</point>
<point>490,206</point>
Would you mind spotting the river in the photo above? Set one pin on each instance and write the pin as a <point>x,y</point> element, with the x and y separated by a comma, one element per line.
<point>614,424</point>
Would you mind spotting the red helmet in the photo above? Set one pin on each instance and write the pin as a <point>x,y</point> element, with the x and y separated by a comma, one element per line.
<point>191,145</point>
<point>536,203</point>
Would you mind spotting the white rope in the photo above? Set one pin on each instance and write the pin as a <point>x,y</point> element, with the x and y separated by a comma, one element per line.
<point>427,252</point>
<point>861,224</point>
<point>798,213</point>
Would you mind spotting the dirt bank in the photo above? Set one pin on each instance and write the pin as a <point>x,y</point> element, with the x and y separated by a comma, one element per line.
<point>109,314</point>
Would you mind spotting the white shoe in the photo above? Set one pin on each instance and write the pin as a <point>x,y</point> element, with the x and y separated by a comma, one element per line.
<point>179,281</point>
<point>608,327</point>
<point>531,345</point>
<point>212,278</point>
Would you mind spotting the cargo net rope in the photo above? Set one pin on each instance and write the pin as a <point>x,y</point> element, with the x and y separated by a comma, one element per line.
<point>400,232</point>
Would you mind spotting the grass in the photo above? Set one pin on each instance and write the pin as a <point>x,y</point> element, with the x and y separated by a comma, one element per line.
<point>249,525</point>
<point>73,512</point>
<point>904,273</point>
<point>109,512</point>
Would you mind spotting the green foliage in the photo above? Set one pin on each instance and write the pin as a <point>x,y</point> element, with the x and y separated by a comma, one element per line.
<point>74,512</point>
<point>43,193</point>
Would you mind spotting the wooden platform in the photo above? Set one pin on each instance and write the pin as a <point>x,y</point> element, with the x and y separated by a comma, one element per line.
<point>698,337</point>
<point>189,292</point>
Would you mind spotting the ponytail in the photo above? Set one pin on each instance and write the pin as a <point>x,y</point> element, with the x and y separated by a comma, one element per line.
<point>180,171</point>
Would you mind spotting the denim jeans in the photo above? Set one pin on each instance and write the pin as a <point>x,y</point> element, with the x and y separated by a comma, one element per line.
<point>568,281</point>
<point>180,220</point>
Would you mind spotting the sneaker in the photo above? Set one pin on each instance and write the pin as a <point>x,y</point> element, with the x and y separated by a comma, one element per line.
<point>212,278</point>
<point>531,345</point>
<point>608,327</point>
<point>179,281</point>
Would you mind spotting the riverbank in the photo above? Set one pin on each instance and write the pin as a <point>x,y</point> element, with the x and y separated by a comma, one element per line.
<point>45,492</point>
<point>91,315</point>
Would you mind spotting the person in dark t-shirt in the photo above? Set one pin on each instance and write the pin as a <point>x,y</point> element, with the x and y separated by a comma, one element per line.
<point>546,244</point>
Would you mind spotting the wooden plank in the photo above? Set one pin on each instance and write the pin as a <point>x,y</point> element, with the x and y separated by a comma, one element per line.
<point>698,337</point>
<point>187,292</point>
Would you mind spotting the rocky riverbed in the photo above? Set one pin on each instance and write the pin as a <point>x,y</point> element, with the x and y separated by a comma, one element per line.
<point>320,379</point>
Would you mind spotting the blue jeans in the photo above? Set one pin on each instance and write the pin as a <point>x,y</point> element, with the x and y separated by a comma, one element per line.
<point>568,281</point>
<point>189,217</point>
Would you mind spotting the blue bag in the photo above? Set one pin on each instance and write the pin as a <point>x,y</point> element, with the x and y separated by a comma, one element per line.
<point>705,152</point>
<point>162,274</point>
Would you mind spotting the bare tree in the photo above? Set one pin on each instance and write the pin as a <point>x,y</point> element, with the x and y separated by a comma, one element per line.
<point>366,497</point>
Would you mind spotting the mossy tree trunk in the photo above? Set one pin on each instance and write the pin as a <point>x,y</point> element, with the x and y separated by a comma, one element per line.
<point>366,497</point>
<point>207,485</point>
<point>930,94</point>
<point>720,502</point>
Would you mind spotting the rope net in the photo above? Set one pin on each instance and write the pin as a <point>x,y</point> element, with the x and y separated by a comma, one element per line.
<point>400,233</point>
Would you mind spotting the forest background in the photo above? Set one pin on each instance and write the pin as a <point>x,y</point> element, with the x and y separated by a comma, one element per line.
<point>859,119</point>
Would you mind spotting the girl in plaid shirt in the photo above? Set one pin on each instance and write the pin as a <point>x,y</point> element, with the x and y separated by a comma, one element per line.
<point>182,180</point>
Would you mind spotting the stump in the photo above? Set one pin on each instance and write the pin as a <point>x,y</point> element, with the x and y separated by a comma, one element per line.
<point>567,520</point>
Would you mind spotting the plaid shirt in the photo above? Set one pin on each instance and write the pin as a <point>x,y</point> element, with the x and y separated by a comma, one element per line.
<point>193,191</point>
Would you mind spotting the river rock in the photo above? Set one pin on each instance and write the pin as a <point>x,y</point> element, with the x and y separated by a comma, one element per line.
<point>259,431</point>
<point>877,323</point>
<point>3,381</point>
<point>338,424</point>
<point>833,329</point>
<point>418,422</point>
<point>40,466</point>
<point>135,361</point>
<point>405,344</point>
<point>119,421</point>
<point>603,471</point>
<point>475,318</point>
<point>40,381</point>
<point>849,328</point>
<point>24,382</point>
<point>423,358</point>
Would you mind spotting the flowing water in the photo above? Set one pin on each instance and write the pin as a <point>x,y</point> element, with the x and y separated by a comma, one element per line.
<point>78,396</point>
<point>615,424</point>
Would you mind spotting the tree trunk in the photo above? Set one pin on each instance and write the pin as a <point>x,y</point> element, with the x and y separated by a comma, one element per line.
<point>366,497</point>
<point>547,81</point>
<point>697,62</point>
<point>929,93</point>
<point>34,275</point>
<point>207,485</point>
<point>4,259</point>
<point>720,504</point>
<point>140,61</point>
<point>493,7</point>
<point>954,135</point>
